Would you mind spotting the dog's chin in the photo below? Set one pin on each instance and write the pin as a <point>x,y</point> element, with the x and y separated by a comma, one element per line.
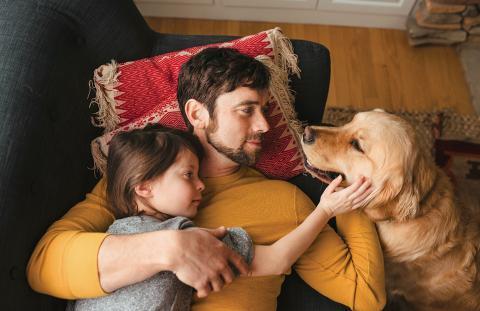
<point>324,176</point>
<point>377,214</point>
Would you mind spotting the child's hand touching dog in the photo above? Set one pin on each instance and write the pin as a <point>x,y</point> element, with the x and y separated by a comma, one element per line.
<point>336,200</point>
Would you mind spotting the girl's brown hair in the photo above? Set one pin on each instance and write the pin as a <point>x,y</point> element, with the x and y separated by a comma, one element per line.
<point>141,155</point>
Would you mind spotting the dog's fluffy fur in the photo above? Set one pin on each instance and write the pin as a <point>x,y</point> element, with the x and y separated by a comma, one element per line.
<point>430,240</point>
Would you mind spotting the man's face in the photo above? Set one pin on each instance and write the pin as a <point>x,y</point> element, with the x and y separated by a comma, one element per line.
<point>237,126</point>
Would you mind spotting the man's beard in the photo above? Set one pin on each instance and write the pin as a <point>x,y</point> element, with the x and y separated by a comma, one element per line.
<point>238,155</point>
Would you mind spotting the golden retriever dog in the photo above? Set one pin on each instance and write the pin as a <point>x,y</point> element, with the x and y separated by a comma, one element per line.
<point>430,240</point>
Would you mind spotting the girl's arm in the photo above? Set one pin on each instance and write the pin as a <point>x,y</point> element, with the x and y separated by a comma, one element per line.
<point>280,256</point>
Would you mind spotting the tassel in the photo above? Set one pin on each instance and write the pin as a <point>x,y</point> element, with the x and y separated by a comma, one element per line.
<point>283,53</point>
<point>99,158</point>
<point>105,81</point>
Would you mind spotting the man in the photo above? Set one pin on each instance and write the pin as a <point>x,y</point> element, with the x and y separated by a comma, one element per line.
<point>222,95</point>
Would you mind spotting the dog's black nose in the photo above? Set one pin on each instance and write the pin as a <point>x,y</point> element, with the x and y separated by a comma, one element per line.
<point>308,135</point>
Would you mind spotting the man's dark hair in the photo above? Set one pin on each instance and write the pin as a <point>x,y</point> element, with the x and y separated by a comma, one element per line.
<point>215,71</point>
<point>141,155</point>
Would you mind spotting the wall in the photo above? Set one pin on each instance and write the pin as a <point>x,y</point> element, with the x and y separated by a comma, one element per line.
<point>362,13</point>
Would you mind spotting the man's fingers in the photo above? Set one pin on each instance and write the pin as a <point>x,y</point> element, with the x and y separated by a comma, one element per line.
<point>237,260</point>
<point>204,291</point>
<point>201,294</point>
<point>216,284</point>
<point>227,275</point>
<point>219,232</point>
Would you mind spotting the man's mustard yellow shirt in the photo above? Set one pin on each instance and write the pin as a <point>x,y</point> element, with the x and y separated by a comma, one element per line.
<point>346,267</point>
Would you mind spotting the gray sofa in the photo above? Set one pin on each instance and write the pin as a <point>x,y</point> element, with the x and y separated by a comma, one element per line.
<point>48,51</point>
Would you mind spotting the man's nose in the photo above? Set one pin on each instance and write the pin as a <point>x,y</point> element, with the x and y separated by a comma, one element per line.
<point>308,135</point>
<point>261,124</point>
<point>200,185</point>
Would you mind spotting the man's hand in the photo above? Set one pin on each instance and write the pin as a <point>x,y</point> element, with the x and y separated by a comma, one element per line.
<point>197,256</point>
<point>201,260</point>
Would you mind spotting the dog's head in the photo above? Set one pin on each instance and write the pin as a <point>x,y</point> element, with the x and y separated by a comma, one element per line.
<point>377,145</point>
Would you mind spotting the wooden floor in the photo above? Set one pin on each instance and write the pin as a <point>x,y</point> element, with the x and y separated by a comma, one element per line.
<point>371,68</point>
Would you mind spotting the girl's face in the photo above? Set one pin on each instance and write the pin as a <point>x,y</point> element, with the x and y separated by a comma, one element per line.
<point>177,192</point>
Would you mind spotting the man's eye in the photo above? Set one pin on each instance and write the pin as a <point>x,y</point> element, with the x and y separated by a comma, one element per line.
<point>248,110</point>
<point>265,109</point>
<point>355,144</point>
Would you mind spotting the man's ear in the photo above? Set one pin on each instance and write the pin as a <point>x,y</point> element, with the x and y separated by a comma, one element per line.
<point>196,113</point>
<point>143,190</point>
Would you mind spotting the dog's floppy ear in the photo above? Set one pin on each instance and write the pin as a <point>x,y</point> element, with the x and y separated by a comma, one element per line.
<point>403,189</point>
<point>408,201</point>
<point>398,198</point>
<point>386,189</point>
<point>419,179</point>
<point>390,187</point>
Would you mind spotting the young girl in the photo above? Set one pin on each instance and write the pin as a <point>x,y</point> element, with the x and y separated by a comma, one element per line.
<point>153,184</point>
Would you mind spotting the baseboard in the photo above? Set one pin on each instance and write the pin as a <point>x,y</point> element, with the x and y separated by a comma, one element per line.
<point>206,10</point>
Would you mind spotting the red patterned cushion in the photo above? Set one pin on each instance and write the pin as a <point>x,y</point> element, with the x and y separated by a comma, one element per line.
<point>133,94</point>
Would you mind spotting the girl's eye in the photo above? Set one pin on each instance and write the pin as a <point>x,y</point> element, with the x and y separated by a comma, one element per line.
<point>188,174</point>
<point>355,144</point>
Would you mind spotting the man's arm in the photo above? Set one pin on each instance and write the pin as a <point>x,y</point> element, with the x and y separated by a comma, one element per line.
<point>64,262</point>
<point>347,268</point>
<point>196,256</point>
<point>75,259</point>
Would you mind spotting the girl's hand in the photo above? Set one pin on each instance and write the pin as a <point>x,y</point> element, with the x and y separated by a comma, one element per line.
<point>336,200</point>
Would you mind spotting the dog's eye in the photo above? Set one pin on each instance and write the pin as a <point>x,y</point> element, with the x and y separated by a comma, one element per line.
<point>356,145</point>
